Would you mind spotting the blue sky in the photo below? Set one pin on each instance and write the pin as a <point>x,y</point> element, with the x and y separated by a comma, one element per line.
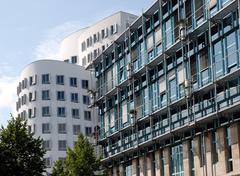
<point>32,30</point>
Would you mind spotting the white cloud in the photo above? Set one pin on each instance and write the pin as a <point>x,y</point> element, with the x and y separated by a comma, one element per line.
<point>48,48</point>
<point>8,97</point>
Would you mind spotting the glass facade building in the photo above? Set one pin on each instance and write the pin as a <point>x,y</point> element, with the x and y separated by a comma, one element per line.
<point>169,84</point>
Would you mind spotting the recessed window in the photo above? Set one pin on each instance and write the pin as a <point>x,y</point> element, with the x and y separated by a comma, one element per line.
<point>106,32</point>
<point>89,57</point>
<point>45,95</point>
<point>74,97</point>
<point>103,34</point>
<point>86,100</point>
<point>88,42</point>
<point>46,128</point>
<point>75,113</point>
<point>74,59</point>
<point>32,113</point>
<point>111,29</point>
<point>76,129</point>
<point>88,131</point>
<point>62,128</point>
<point>85,84</point>
<point>33,80</point>
<point>83,46</point>
<point>94,38</point>
<point>61,112</point>
<point>47,162</point>
<point>23,114</point>
<point>103,47</point>
<point>45,79</point>
<point>84,61</point>
<point>45,111</point>
<point>95,53</point>
<point>62,145</point>
<point>73,82</point>
<point>23,86</point>
<point>87,115</point>
<point>32,96</point>
<point>46,145</point>
<point>24,99</point>
<point>60,79</point>
<point>60,95</point>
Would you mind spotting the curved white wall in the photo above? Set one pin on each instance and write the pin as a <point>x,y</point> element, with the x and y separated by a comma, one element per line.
<point>72,45</point>
<point>69,46</point>
<point>54,68</point>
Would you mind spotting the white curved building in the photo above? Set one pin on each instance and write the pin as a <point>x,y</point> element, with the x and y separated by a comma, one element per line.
<point>53,96</point>
<point>85,45</point>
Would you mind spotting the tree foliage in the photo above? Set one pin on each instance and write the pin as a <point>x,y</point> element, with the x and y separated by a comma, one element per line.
<point>20,153</point>
<point>80,161</point>
<point>58,169</point>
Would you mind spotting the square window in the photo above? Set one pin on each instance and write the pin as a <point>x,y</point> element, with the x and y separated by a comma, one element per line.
<point>62,145</point>
<point>45,95</point>
<point>46,111</point>
<point>46,145</point>
<point>47,162</point>
<point>85,84</point>
<point>73,82</point>
<point>86,100</point>
<point>46,128</point>
<point>74,97</point>
<point>60,95</point>
<point>61,112</point>
<point>88,131</point>
<point>87,115</point>
<point>76,129</point>
<point>62,128</point>
<point>45,79</point>
<point>75,113</point>
<point>74,59</point>
<point>60,79</point>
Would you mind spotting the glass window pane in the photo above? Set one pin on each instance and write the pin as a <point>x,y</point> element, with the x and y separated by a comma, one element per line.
<point>231,49</point>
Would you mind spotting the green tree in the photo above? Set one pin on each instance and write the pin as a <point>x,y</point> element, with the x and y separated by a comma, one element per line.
<point>58,169</point>
<point>80,161</point>
<point>20,153</point>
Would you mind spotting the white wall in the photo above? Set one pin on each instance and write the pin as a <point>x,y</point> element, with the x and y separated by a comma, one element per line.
<point>69,46</point>
<point>54,68</point>
<point>76,39</point>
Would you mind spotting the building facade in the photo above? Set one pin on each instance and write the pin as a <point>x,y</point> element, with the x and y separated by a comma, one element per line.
<point>168,92</point>
<point>53,97</point>
<point>85,45</point>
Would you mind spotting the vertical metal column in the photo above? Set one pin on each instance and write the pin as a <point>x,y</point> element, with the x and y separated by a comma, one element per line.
<point>213,71</point>
<point>145,56</point>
